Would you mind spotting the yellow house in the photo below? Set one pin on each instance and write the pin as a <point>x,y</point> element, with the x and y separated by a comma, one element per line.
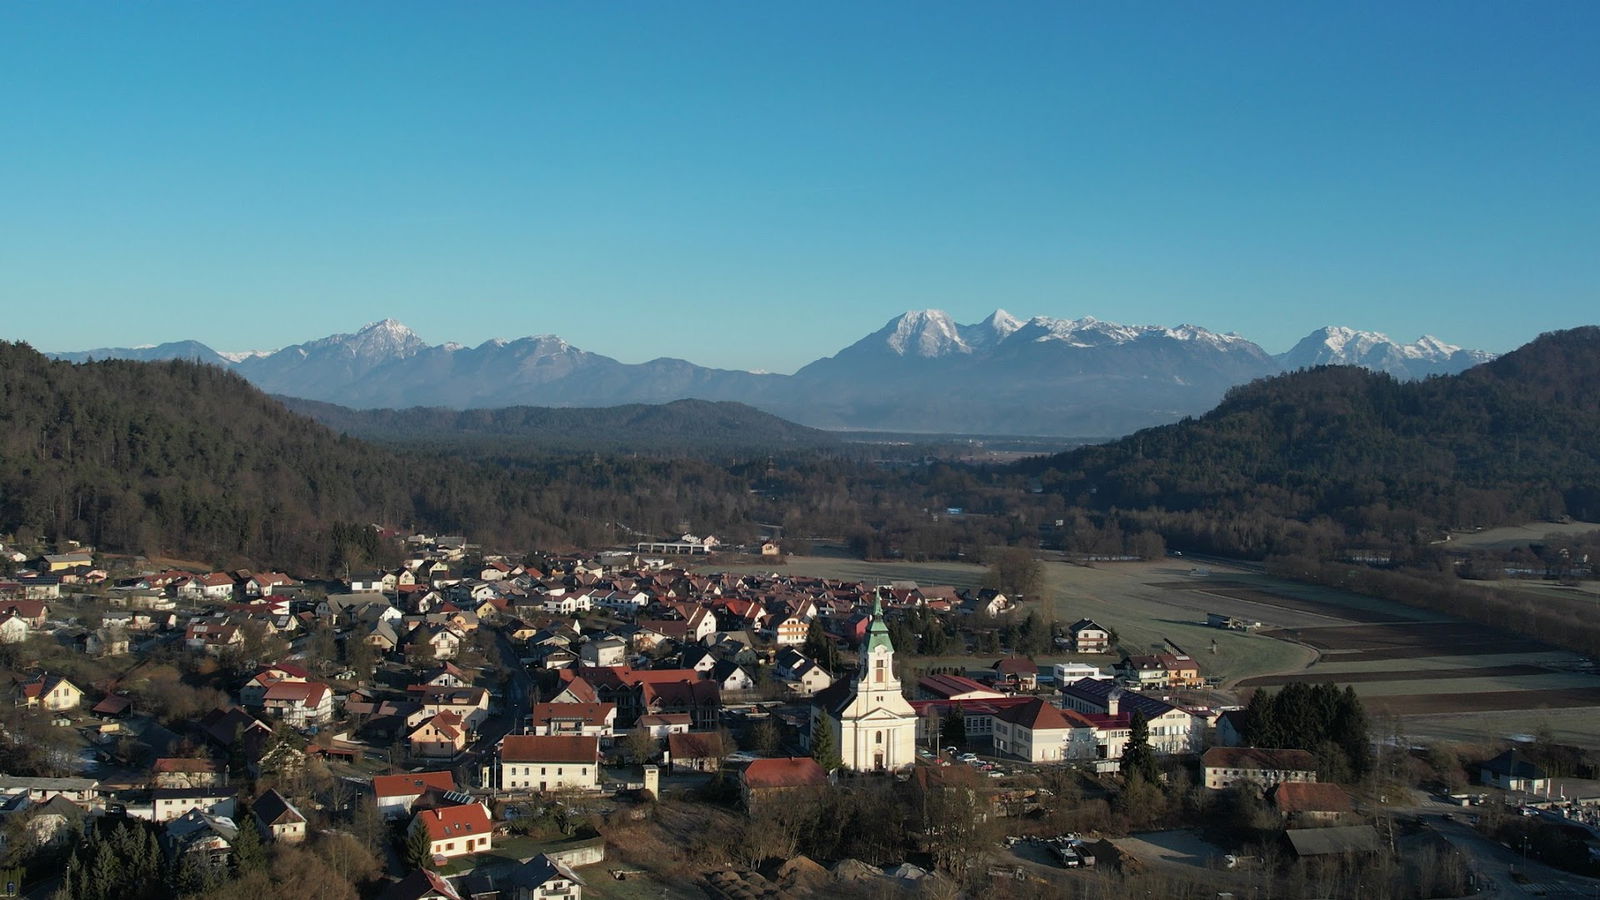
<point>51,692</point>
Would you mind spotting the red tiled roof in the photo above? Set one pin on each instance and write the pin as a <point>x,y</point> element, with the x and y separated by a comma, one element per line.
<point>1259,758</point>
<point>413,783</point>
<point>796,771</point>
<point>176,764</point>
<point>695,745</point>
<point>1311,796</point>
<point>455,821</point>
<point>1035,715</point>
<point>589,713</point>
<point>308,693</point>
<point>448,723</point>
<point>549,748</point>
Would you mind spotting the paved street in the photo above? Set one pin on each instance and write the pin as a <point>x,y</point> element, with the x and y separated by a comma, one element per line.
<point>1494,863</point>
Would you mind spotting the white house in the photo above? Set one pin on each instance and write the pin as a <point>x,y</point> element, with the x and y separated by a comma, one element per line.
<point>549,762</point>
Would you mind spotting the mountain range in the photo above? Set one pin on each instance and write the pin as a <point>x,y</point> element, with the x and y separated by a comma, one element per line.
<point>920,372</point>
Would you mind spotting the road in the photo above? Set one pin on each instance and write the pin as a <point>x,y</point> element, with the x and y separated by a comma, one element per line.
<point>1494,863</point>
<point>514,704</point>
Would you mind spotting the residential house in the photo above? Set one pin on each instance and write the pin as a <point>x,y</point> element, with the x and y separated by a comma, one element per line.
<point>447,675</point>
<point>731,677</point>
<point>1230,728</point>
<point>606,651</point>
<point>262,584</point>
<point>572,687</point>
<point>698,658</point>
<point>14,629</point>
<point>986,602</point>
<point>791,631</point>
<point>662,725</point>
<point>550,762</point>
<point>103,642</point>
<point>300,704</point>
<point>470,703</point>
<point>421,884</point>
<point>168,804</point>
<point>699,751</point>
<point>204,839</point>
<point>1017,673</point>
<point>212,637</point>
<point>174,772</point>
<point>1512,771</point>
<point>770,781</point>
<point>371,582</point>
<point>456,830</point>
<point>277,818</point>
<point>543,878</point>
<point>213,586</point>
<point>1226,767</point>
<point>394,794</point>
<point>368,609</point>
<point>1309,803</point>
<point>1085,636</point>
<point>801,675</point>
<point>585,719</point>
<point>702,700</point>
<point>444,640</point>
<point>440,736</point>
<point>53,823</point>
<point>50,692</point>
<point>254,691</point>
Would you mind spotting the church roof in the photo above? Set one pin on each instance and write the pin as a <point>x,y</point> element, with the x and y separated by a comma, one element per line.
<point>878,633</point>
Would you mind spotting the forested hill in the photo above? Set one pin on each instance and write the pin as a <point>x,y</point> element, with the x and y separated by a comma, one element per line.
<point>1513,440</point>
<point>681,427</point>
<point>183,458</point>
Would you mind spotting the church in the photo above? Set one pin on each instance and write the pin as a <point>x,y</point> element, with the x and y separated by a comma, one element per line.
<point>871,723</point>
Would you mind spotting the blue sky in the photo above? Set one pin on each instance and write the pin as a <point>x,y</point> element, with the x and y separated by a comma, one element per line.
<point>754,185</point>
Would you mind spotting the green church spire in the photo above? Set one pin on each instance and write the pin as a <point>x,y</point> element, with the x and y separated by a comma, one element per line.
<point>878,633</point>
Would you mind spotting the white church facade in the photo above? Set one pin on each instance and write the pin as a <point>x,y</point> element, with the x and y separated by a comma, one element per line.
<point>871,722</point>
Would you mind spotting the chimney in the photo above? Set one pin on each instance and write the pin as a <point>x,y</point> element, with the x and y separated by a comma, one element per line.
<point>1113,700</point>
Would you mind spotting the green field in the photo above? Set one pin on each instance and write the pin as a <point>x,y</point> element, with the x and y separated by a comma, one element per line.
<point>1116,595</point>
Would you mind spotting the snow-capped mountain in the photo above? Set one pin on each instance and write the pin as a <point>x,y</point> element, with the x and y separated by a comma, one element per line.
<point>922,371</point>
<point>1333,345</point>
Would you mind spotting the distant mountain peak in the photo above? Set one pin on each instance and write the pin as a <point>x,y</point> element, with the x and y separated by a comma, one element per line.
<point>1337,345</point>
<point>1002,322</point>
<point>383,338</point>
<point>925,333</point>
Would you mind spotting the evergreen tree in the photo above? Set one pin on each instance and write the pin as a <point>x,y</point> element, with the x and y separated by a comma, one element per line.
<point>1138,759</point>
<point>954,728</point>
<point>821,649</point>
<point>418,850</point>
<point>823,749</point>
<point>249,855</point>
